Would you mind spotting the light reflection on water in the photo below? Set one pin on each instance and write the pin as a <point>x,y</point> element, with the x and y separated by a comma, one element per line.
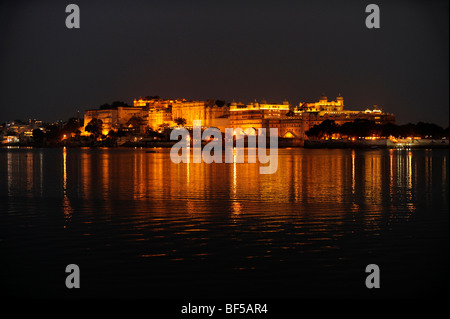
<point>220,223</point>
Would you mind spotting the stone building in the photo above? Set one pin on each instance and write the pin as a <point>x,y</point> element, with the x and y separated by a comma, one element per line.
<point>254,115</point>
<point>156,112</point>
<point>294,122</point>
<point>207,111</point>
<point>114,118</point>
<point>315,113</point>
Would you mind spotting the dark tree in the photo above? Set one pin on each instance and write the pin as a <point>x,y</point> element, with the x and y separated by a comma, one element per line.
<point>445,133</point>
<point>38,135</point>
<point>52,131</point>
<point>94,127</point>
<point>116,104</point>
<point>428,130</point>
<point>220,103</point>
<point>407,130</point>
<point>105,106</point>
<point>180,121</point>
<point>324,129</point>
<point>71,126</point>
<point>135,121</point>
<point>390,129</point>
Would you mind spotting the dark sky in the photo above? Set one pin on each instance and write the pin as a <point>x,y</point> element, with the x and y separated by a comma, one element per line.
<point>242,50</point>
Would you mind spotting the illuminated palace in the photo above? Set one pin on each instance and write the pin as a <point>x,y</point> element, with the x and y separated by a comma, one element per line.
<point>165,112</point>
<point>291,121</point>
<point>156,113</point>
<point>315,113</point>
<point>113,118</point>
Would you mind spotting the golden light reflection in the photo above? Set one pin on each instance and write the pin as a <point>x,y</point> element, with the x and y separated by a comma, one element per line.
<point>188,172</point>
<point>29,172</point>
<point>10,175</point>
<point>409,170</point>
<point>391,170</point>
<point>403,178</point>
<point>399,168</point>
<point>67,208</point>
<point>375,175</point>
<point>86,174</point>
<point>65,170</point>
<point>353,172</point>
<point>235,205</point>
<point>236,211</point>
<point>190,207</point>
<point>105,173</point>
<point>337,178</point>
<point>298,189</point>
<point>409,186</point>
<point>234,176</point>
<point>138,178</point>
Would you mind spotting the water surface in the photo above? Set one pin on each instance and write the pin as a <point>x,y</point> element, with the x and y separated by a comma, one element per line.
<point>139,225</point>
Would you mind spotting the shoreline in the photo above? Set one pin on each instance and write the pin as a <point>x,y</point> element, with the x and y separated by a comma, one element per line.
<point>380,144</point>
<point>311,144</point>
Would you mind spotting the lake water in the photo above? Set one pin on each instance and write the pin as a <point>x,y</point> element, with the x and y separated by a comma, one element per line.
<point>139,225</point>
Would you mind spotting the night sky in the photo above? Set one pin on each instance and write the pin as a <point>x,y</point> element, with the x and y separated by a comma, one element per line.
<point>242,50</point>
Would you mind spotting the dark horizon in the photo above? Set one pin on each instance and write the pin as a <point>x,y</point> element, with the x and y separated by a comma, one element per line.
<point>224,50</point>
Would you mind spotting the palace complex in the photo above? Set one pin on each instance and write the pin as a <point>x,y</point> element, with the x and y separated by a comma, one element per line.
<point>292,121</point>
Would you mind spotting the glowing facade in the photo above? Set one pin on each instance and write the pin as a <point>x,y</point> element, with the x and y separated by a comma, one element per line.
<point>156,112</point>
<point>114,118</point>
<point>165,112</point>
<point>294,122</point>
<point>316,113</point>
<point>323,105</point>
<point>254,115</point>
<point>206,111</point>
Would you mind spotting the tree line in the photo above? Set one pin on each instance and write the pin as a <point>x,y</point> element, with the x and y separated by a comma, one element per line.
<point>52,131</point>
<point>365,128</point>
